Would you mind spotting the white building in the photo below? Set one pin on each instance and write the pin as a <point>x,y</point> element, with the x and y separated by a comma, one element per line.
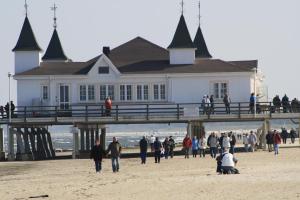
<point>136,71</point>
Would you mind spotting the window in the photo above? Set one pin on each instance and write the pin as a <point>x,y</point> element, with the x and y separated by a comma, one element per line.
<point>91,92</point>
<point>107,91</point>
<point>82,92</point>
<point>102,92</point>
<point>220,89</point>
<point>111,92</point>
<point>103,70</point>
<point>125,92</point>
<point>159,92</point>
<point>156,94</point>
<point>162,92</point>
<point>45,94</point>
<point>142,92</point>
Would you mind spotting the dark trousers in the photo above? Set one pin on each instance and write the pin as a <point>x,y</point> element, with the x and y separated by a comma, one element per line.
<point>284,140</point>
<point>195,153</point>
<point>143,157</point>
<point>171,152</point>
<point>108,112</point>
<point>293,140</point>
<point>227,107</point>
<point>98,165</point>
<point>186,152</point>
<point>213,152</point>
<point>167,153</point>
<point>202,152</point>
<point>115,164</point>
<point>157,156</point>
<point>270,147</point>
<point>231,150</point>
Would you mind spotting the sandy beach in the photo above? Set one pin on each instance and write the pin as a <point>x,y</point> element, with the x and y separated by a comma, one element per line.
<point>263,176</point>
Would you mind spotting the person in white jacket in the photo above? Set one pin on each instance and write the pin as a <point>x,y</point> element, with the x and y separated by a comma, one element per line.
<point>228,163</point>
<point>202,146</point>
<point>226,141</point>
<point>246,142</point>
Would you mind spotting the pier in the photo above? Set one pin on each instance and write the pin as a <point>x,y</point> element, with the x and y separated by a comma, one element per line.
<point>29,123</point>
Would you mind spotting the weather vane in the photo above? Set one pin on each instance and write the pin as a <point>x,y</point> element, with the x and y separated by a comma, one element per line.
<point>199,13</point>
<point>182,4</point>
<point>26,8</point>
<point>54,8</point>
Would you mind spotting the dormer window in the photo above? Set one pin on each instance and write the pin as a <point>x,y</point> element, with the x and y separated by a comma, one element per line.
<point>103,70</point>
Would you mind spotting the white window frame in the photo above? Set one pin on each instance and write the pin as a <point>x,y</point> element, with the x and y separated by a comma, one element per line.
<point>126,94</point>
<point>219,95</point>
<point>107,91</point>
<point>160,96</point>
<point>84,91</point>
<point>42,92</point>
<point>144,95</point>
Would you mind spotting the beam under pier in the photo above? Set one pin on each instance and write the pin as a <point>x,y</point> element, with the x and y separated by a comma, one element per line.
<point>2,153</point>
<point>103,138</point>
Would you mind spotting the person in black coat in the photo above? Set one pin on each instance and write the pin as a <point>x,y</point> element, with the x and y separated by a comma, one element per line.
<point>232,142</point>
<point>143,149</point>
<point>284,135</point>
<point>293,135</point>
<point>97,154</point>
<point>270,140</point>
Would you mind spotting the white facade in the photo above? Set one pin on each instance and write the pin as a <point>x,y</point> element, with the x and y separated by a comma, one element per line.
<point>26,60</point>
<point>182,56</point>
<point>93,88</point>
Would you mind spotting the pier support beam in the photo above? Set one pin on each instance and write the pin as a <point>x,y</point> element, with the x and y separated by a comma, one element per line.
<point>11,151</point>
<point>103,138</point>
<point>299,131</point>
<point>81,139</point>
<point>266,129</point>
<point>87,140</point>
<point>92,137</point>
<point>49,140</point>
<point>196,129</point>
<point>2,153</point>
<point>75,153</point>
<point>32,135</point>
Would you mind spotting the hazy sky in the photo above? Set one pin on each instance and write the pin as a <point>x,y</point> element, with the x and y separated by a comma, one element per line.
<point>267,30</point>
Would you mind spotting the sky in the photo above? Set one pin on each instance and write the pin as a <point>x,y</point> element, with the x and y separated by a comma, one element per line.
<point>266,30</point>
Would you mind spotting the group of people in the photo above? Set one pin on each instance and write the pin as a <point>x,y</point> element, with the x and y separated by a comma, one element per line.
<point>286,105</point>
<point>5,109</point>
<point>208,104</point>
<point>160,149</point>
<point>98,153</point>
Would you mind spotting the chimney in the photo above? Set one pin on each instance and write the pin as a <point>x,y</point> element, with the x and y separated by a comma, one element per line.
<point>106,51</point>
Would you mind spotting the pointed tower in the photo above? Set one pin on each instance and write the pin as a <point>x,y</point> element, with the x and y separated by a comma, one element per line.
<point>54,52</point>
<point>27,51</point>
<point>181,49</point>
<point>200,44</point>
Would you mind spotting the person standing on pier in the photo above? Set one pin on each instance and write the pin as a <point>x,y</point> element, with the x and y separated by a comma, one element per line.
<point>143,149</point>
<point>227,101</point>
<point>187,144</point>
<point>97,154</point>
<point>212,104</point>
<point>277,142</point>
<point>108,106</point>
<point>157,150</point>
<point>270,141</point>
<point>172,146</point>
<point>115,148</point>
<point>252,141</point>
<point>195,146</point>
<point>277,103</point>
<point>252,103</point>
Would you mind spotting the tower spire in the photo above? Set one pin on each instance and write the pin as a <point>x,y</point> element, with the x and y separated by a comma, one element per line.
<point>54,8</point>
<point>182,5</point>
<point>26,8</point>
<point>199,16</point>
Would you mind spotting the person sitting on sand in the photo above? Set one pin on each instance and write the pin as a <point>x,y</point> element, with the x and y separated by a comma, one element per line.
<point>226,163</point>
<point>115,148</point>
<point>97,153</point>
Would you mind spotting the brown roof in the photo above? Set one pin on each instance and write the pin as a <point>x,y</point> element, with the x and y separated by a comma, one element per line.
<point>139,56</point>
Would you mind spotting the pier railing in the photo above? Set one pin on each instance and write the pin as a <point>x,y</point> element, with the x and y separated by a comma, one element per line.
<point>146,111</point>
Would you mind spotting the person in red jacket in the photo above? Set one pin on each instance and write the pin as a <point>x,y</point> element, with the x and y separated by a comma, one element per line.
<point>108,106</point>
<point>277,142</point>
<point>187,144</point>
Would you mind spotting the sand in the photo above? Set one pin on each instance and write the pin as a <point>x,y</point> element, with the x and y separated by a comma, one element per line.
<point>263,176</point>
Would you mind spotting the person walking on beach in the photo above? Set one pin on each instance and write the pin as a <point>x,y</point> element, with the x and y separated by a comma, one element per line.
<point>97,153</point>
<point>252,141</point>
<point>232,142</point>
<point>195,146</point>
<point>227,101</point>
<point>166,146</point>
<point>213,145</point>
<point>187,144</point>
<point>143,149</point>
<point>225,142</point>
<point>284,135</point>
<point>277,142</point>
<point>202,146</point>
<point>157,150</point>
<point>152,140</point>
<point>270,141</point>
<point>108,106</point>
<point>293,135</point>
<point>172,146</point>
<point>115,149</point>
<point>246,142</point>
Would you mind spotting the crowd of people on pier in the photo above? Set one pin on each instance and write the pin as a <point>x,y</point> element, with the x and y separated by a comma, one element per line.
<point>4,110</point>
